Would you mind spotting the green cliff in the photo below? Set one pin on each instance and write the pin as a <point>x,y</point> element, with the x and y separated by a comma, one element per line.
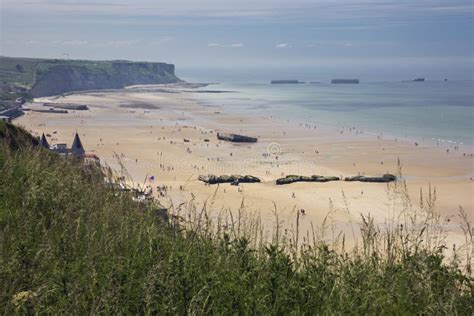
<point>45,77</point>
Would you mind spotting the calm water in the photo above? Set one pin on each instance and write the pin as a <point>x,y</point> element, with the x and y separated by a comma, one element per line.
<point>436,111</point>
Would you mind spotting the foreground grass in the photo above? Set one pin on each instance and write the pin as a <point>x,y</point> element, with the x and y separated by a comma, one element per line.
<point>68,244</point>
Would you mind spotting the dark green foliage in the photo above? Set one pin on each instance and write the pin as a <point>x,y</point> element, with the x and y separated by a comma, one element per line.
<point>9,70</point>
<point>70,245</point>
<point>15,138</point>
<point>19,68</point>
<point>13,96</point>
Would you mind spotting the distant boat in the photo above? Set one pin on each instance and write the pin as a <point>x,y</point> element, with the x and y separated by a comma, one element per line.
<point>345,81</point>
<point>286,82</point>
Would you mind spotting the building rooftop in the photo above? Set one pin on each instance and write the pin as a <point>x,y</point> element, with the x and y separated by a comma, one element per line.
<point>77,144</point>
<point>44,141</point>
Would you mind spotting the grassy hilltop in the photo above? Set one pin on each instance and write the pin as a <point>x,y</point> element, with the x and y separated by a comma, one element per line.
<point>20,71</point>
<point>71,245</point>
<point>55,76</point>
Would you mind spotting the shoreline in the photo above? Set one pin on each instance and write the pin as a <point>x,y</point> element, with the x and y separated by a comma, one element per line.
<point>324,114</point>
<point>151,142</point>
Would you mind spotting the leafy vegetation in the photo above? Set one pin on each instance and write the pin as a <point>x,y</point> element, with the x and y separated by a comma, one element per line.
<point>20,71</point>
<point>13,96</point>
<point>71,245</point>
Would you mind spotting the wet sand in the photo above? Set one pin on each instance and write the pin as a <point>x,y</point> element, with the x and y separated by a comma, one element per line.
<point>146,127</point>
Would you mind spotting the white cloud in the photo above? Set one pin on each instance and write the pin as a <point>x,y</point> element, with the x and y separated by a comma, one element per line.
<point>75,43</point>
<point>332,9</point>
<point>165,39</point>
<point>347,44</point>
<point>123,43</point>
<point>114,43</point>
<point>233,45</point>
<point>283,45</point>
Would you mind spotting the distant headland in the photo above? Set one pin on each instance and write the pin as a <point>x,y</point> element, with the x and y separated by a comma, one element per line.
<point>47,77</point>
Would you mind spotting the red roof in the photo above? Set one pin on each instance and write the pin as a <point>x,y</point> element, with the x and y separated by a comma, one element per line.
<point>93,156</point>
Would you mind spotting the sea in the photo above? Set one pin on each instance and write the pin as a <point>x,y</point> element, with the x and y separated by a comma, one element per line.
<point>440,112</point>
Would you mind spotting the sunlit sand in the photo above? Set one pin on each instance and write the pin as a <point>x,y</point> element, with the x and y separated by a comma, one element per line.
<point>146,126</point>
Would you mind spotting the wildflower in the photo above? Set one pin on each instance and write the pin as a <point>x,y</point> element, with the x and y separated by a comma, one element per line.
<point>22,297</point>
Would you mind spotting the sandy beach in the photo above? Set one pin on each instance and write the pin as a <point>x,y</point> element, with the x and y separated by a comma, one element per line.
<point>162,131</point>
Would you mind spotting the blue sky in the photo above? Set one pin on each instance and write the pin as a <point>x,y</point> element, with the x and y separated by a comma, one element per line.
<point>314,39</point>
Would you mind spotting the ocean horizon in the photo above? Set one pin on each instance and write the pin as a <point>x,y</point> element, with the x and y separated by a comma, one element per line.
<point>439,112</point>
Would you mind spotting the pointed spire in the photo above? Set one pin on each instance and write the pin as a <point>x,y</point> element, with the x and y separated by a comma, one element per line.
<point>77,149</point>
<point>44,142</point>
<point>77,144</point>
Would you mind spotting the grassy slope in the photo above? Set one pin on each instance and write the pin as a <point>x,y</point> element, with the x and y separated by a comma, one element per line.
<point>70,245</point>
<point>32,67</point>
<point>10,74</point>
<point>15,138</point>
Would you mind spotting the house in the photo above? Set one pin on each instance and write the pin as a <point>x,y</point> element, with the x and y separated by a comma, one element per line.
<point>76,150</point>
<point>60,149</point>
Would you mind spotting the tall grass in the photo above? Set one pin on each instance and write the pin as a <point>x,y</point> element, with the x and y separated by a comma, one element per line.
<point>69,244</point>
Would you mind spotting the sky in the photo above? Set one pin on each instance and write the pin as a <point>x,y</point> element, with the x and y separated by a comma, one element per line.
<point>253,40</point>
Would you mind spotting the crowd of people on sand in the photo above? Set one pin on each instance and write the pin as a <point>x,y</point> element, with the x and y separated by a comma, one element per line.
<point>274,158</point>
<point>162,190</point>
